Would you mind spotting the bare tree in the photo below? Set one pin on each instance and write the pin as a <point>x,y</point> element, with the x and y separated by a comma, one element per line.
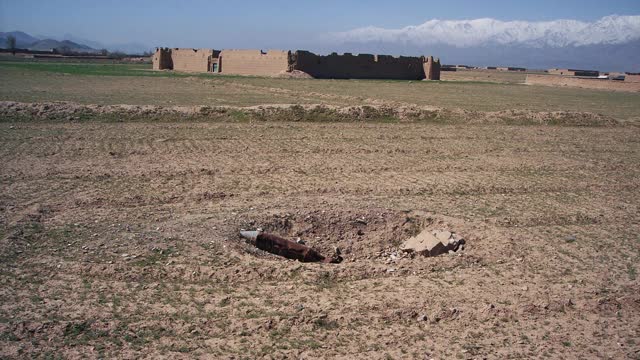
<point>11,43</point>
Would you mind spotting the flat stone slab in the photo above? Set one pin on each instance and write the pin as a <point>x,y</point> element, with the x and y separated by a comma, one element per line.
<point>433,243</point>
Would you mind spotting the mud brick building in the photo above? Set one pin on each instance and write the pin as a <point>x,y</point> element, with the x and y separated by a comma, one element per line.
<point>275,62</point>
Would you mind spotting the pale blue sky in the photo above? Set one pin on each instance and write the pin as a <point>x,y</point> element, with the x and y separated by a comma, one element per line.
<point>268,23</point>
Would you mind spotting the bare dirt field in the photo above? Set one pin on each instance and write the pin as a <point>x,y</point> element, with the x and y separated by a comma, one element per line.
<point>507,77</point>
<point>119,229</point>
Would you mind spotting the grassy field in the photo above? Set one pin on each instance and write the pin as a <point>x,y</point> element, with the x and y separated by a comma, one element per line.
<point>119,239</point>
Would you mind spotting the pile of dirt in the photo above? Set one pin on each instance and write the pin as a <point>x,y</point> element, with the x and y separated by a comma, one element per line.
<point>68,111</point>
<point>295,74</point>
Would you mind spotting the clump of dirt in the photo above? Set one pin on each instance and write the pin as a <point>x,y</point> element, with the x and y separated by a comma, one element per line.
<point>356,234</point>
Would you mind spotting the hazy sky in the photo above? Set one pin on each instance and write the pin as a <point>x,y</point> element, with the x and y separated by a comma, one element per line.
<point>268,23</point>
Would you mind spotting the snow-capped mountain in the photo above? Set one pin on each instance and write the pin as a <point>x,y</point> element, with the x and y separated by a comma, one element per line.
<point>558,33</point>
<point>452,37</point>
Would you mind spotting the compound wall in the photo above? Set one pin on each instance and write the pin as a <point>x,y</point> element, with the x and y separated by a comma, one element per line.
<point>193,60</point>
<point>363,66</point>
<point>274,62</point>
<point>161,59</point>
<point>431,68</point>
<point>253,62</point>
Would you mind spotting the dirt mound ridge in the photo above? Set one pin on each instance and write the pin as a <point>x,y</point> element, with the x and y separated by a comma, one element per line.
<point>67,111</point>
<point>295,74</point>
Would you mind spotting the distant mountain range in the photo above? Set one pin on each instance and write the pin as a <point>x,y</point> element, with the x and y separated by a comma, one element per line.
<point>611,43</point>
<point>70,42</point>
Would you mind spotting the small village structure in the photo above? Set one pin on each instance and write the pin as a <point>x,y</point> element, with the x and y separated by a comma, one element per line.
<point>574,72</point>
<point>277,62</point>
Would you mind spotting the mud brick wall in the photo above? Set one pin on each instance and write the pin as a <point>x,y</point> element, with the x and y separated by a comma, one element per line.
<point>253,62</point>
<point>432,68</point>
<point>559,80</point>
<point>192,60</point>
<point>362,66</point>
<point>162,59</point>
<point>197,60</point>
<point>334,66</point>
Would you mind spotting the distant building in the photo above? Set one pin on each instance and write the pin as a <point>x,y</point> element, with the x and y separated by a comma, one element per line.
<point>574,72</point>
<point>511,68</point>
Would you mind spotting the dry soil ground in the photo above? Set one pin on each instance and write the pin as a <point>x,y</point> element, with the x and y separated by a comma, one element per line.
<point>119,239</point>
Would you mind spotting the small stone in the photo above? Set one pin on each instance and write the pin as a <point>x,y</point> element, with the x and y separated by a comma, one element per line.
<point>422,318</point>
<point>124,255</point>
<point>390,270</point>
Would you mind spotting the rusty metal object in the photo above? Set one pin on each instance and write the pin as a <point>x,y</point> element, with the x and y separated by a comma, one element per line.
<point>286,248</point>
